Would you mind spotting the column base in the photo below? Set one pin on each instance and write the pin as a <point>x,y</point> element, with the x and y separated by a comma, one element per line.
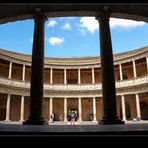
<point>110,122</point>
<point>35,122</point>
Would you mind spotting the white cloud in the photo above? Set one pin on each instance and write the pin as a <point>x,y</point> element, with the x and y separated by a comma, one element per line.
<point>51,23</point>
<point>67,17</point>
<point>66,26</point>
<point>55,40</point>
<point>31,40</point>
<point>91,24</point>
<point>124,23</point>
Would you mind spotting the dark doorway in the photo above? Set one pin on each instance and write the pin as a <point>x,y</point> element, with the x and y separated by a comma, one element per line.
<point>144,110</point>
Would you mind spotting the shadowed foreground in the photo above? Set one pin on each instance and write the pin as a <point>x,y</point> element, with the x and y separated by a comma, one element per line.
<point>126,129</point>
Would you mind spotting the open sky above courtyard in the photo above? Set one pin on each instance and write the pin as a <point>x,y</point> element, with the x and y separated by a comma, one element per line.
<point>73,36</point>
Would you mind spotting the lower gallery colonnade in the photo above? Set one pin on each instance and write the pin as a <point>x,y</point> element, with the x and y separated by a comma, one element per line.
<point>83,94</point>
<point>16,108</point>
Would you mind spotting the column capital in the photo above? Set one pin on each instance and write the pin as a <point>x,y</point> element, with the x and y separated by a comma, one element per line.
<point>39,15</point>
<point>104,15</point>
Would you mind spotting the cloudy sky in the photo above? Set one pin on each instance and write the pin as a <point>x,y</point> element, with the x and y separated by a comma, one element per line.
<point>73,36</point>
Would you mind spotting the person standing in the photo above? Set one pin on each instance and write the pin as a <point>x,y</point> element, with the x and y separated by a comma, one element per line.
<point>72,118</point>
<point>61,118</point>
<point>52,117</point>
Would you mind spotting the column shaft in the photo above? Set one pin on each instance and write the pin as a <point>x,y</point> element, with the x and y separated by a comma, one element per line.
<point>123,108</point>
<point>51,76</point>
<point>65,80</point>
<point>120,70</point>
<point>94,109</point>
<point>8,108</point>
<point>134,69</point>
<point>65,109</point>
<point>138,106</point>
<point>50,108</point>
<point>79,76</point>
<point>23,76</point>
<point>107,69</point>
<point>22,109</point>
<point>147,64</point>
<point>37,69</point>
<point>80,109</point>
<point>10,70</point>
<point>93,76</point>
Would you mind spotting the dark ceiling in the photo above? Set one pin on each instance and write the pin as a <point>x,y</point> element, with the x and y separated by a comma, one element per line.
<point>13,12</point>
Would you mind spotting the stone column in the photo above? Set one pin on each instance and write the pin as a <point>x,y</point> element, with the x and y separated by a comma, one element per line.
<point>120,70</point>
<point>22,109</point>
<point>107,69</point>
<point>65,109</point>
<point>51,108</point>
<point>79,77</point>
<point>138,106</point>
<point>80,110</point>
<point>10,70</point>
<point>50,75</point>
<point>37,69</point>
<point>65,80</point>
<point>147,64</point>
<point>134,69</point>
<point>94,109</point>
<point>23,76</point>
<point>93,76</point>
<point>8,108</point>
<point>123,108</point>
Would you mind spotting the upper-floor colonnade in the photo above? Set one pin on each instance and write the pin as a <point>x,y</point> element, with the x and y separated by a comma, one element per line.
<point>40,15</point>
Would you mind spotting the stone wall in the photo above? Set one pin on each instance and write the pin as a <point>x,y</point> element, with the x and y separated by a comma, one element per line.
<point>86,76</point>
<point>26,107</point>
<point>4,68</point>
<point>58,76</point>
<point>87,109</point>
<point>72,76</point>
<point>17,71</point>
<point>15,107</point>
<point>3,102</point>
<point>58,107</point>
<point>99,108</point>
<point>27,73</point>
<point>127,71</point>
<point>46,75</point>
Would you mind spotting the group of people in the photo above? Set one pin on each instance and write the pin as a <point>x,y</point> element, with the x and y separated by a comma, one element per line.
<point>72,117</point>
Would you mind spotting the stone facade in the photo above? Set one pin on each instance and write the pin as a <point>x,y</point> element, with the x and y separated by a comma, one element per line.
<point>74,84</point>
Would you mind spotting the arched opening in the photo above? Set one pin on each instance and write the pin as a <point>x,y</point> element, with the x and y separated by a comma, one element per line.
<point>144,110</point>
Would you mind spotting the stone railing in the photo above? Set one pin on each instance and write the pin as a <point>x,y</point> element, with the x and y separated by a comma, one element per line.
<point>132,82</point>
<point>14,83</point>
<point>75,87</point>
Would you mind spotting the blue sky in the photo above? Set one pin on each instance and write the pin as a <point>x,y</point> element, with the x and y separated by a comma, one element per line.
<point>73,36</point>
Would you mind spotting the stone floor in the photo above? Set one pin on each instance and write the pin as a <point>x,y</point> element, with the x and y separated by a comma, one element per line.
<point>85,128</point>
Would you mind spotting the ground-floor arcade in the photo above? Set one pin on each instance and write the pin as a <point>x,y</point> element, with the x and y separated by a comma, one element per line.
<point>16,107</point>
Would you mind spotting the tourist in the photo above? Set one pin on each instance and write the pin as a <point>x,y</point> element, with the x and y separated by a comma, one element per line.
<point>52,117</point>
<point>61,117</point>
<point>72,118</point>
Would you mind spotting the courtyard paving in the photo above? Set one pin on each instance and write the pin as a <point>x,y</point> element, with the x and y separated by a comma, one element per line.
<point>84,128</point>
